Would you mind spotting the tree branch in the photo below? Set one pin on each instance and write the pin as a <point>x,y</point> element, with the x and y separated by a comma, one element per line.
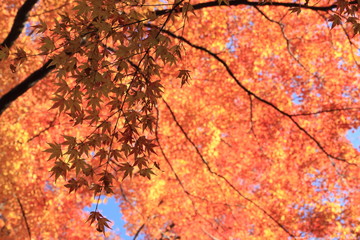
<point>19,22</point>
<point>25,85</point>
<point>188,194</point>
<point>51,124</point>
<point>247,3</point>
<point>21,17</point>
<point>325,111</point>
<point>221,176</point>
<point>249,92</point>
<point>138,231</point>
<point>24,216</point>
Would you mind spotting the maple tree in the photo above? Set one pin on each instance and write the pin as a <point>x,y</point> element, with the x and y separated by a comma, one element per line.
<point>205,119</point>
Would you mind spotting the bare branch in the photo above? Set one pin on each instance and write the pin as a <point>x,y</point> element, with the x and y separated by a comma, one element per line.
<point>138,231</point>
<point>188,194</point>
<point>287,40</point>
<point>247,3</point>
<point>19,22</point>
<point>209,235</point>
<point>249,92</point>
<point>51,124</point>
<point>43,71</point>
<point>165,157</point>
<point>25,85</point>
<point>24,216</point>
<point>221,176</point>
<point>325,111</point>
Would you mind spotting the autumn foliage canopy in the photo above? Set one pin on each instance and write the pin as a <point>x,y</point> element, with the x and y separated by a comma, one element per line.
<point>222,119</point>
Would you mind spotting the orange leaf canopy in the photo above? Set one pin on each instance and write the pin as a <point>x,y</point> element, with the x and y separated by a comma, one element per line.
<point>205,119</point>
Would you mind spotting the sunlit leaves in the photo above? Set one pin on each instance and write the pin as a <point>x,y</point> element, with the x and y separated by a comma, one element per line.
<point>114,61</point>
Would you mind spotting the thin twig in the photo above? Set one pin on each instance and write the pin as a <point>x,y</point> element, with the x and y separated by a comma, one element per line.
<point>287,40</point>
<point>257,3</point>
<point>24,216</point>
<point>138,231</point>
<point>221,176</point>
<point>51,124</point>
<point>249,92</point>
<point>325,111</point>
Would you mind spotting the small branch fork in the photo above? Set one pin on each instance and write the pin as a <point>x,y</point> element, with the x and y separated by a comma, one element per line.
<point>250,93</point>
<point>288,41</point>
<point>39,74</point>
<point>221,176</point>
<point>188,194</point>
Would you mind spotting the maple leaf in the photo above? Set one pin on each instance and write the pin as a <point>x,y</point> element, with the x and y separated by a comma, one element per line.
<point>185,76</point>
<point>140,162</point>
<point>356,28</point>
<point>72,185</point>
<point>237,145</point>
<point>101,221</point>
<point>335,19</point>
<point>41,27</point>
<point>296,10</point>
<point>79,164</point>
<point>106,179</point>
<point>20,57</point>
<point>225,1</point>
<point>127,169</point>
<point>55,150</point>
<point>60,169</point>
<point>146,172</point>
<point>96,188</point>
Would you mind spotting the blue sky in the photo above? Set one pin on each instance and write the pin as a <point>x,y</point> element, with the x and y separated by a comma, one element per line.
<point>111,211</point>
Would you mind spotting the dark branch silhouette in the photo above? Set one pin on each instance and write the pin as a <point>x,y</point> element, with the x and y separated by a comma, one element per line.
<point>326,111</point>
<point>247,3</point>
<point>138,231</point>
<point>221,176</point>
<point>21,17</point>
<point>249,92</point>
<point>24,216</point>
<point>25,85</point>
<point>19,22</point>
